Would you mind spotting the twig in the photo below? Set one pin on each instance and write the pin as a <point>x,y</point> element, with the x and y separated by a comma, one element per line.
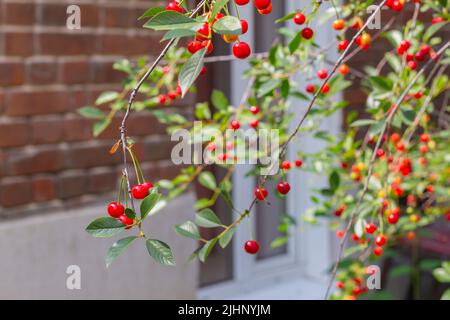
<point>123,136</point>
<point>371,166</point>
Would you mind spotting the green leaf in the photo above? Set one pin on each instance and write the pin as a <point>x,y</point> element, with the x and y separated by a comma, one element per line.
<point>429,264</point>
<point>219,100</point>
<point>105,227</point>
<point>91,113</point>
<point>117,248</point>
<point>149,202</point>
<point>160,252</point>
<point>334,180</point>
<point>189,230</point>
<point>278,242</point>
<point>225,239</point>
<point>190,70</point>
<point>101,126</point>
<point>286,18</point>
<point>228,25</point>
<point>207,219</point>
<point>268,87</point>
<point>441,275</point>
<point>382,83</point>
<point>363,122</point>
<point>295,42</point>
<point>206,250</point>
<point>171,20</point>
<point>432,30</point>
<point>129,213</point>
<point>106,97</point>
<point>207,180</point>
<point>399,271</point>
<point>446,295</point>
<point>202,111</point>
<point>151,12</point>
<point>217,7</point>
<point>178,33</point>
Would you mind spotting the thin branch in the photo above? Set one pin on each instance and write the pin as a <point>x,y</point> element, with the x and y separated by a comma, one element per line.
<point>371,166</point>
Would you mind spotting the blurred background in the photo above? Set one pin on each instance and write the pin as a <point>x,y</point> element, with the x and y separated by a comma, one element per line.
<point>55,177</point>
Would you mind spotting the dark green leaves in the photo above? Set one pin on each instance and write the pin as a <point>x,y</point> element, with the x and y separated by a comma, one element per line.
<point>219,100</point>
<point>160,252</point>
<point>228,25</point>
<point>117,248</point>
<point>91,113</point>
<point>151,12</point>
<point>105,227</point>
<point>190,71</point>
<point>206,250</point>
<point>171,20</point>
<point>207,219</point>
<point>189,230</point>
<point>149,203</point>
<point>381,83</point>
<point>334,181</point>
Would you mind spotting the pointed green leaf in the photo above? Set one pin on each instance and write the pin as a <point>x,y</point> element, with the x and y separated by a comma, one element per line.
<point>206,250</point>
<point>149,202</point>
<point>219,4</point>
<point>190,70</point>
<point>446,295</point>
<point>219,100</point>
<point>228,25</point>
<point>207,180</point>
<point>151,12</point>
<point>160,252</point>
<point>170,20</point>
<point>189,230</point>
<point>91,113</point>
<point>207,219</point>
<point>106,97</point>
<point>225,239</point>
<point>105,227</point>
<point>441,275</point>
<point>178,33</point>
<point>117,248</point>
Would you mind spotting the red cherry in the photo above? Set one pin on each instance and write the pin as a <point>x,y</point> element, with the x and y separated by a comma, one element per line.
<point>204,33</point>
<point>425,49</point>
<point>244,26</point>
<point>437,20</point>
<point>322,74</point>
<point>307,33</point>
<point>147,185</point>
<point>241,2</point>
<point>125,220</point>
<point>235,125</point>
<point>194,46</point>
<point>424,137</point>
<point>115,209</point>
<point>344,69</point>
<point>355,237</point>
<point>174,6</point>
<point>162,99</point>
<point>310,88</point>
<point>325,89</point>
<point>380,240</point>
<point>393,218</point>
<point>418,95</point>
<point>299,18</point>
<point>298,163</point>
<point>283,187</point>
<point>172,95</point>
<point>139,192</point>
<point>378,251</point>
<point>203,71</point>
<point>342,45</point>
<point>261,193</point>
<point>380,153</point>
<point>208,45</point>
<point>251,247</point>
<point>339,285</point>
<point>339,233</point>
<point>412,65</point>
<point>430,189</point>
<point>261,4</point>
<point>286,165</point>
<point>400,146</point>
<point>371,228</point>
<point>405,44</point>
<point>241,50</point>
<point>423,149</point>
<point>254,109</point>
<point>254,123</point>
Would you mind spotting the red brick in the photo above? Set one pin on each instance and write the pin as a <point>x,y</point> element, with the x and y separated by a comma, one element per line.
<point>102,180</point>
<point>15,191</point>
<point>44,188</point>
<point>13,133</point>
<point>19,14</point>
<point>78,129</point>
<point>18,43</point>
<point>21,162</point>
<point>103,72</point>
<point>41,72</point>
<point>71,184</point>
<point>74,72</point>
<point>116,17</point>
<point>12,73</point>
<point>47,131</point>
<point>24,103</point>
<point>121,44</point>
<point>66,43</point>
<point>79,97</point>
<point>89,155</point>
<point>156,149</point>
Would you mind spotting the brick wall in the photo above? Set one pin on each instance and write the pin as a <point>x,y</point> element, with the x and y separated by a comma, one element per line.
<point>48,158</point>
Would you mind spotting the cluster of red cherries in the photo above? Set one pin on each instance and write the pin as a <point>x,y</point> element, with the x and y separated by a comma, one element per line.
<point>413,59</point>
<point>117,210</point>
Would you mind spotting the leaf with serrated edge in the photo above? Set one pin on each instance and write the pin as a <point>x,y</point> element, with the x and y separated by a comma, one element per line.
<point>228,25</point>
<point>207,219</point>
<point>160,252</point>
<point>117,248</point>
<point>189,230</point>
<point>190,71</point>
<point>170,20</point>
<point>105,227</point>
<point>206,250</point>
<point>149,203</point>
<point>207,180</point>
<point>225,239</point>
